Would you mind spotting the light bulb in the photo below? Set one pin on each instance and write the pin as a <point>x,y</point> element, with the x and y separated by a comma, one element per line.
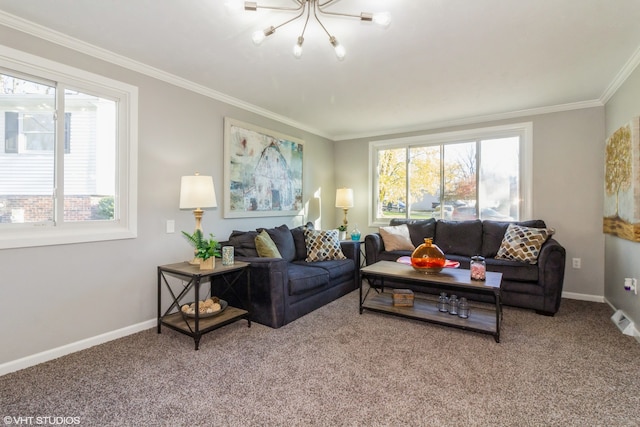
<point>297,49</point>
<point>383,19</point>
<point>338,48</point>
<point>340,51</point>
<point>258,37</point>
<point>234,6</point>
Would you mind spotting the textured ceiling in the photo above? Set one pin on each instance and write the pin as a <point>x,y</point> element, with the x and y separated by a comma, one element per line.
<point>439,62</point>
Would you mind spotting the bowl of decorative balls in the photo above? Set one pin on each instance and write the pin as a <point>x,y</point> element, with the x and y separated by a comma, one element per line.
<point>207,308</point>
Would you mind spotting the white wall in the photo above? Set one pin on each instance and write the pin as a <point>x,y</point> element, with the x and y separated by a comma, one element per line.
<point>568,173</point>
<point>622,256</point>
<point>57,295</point>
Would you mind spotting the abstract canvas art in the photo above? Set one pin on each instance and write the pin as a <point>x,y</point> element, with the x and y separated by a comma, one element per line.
<point>263,172</point>
<point>622,182</point>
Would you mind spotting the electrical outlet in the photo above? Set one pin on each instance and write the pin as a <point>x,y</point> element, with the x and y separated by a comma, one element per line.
<point>577,263</point>
<point>171,226</point>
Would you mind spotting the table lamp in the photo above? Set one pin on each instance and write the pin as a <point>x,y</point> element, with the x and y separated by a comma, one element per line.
<point>197,192</point>
<point>344,200</point>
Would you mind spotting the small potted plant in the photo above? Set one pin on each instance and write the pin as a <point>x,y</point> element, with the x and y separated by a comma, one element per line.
<point>206,250</point>
<point>342,232</point>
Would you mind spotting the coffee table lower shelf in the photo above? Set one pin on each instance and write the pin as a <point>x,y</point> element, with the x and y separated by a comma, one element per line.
<point>482,320</point>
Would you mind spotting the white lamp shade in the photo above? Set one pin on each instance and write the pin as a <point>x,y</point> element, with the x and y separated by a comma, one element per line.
<point>344,198</point>
<point>197,192</point>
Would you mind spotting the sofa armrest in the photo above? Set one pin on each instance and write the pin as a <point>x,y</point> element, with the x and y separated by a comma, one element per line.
<point>551,266</point>
<point>351,249</point>
<point>269,278</point>
<point>373,245</point>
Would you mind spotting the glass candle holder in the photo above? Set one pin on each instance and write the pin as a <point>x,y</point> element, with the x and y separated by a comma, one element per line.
<point>443,302</point>
<point>453,305</point>
<point>227,255</point>
<point>463,308</point>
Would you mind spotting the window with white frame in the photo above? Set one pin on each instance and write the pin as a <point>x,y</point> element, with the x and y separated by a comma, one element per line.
<point>68,162</point>
<point>472,174</point>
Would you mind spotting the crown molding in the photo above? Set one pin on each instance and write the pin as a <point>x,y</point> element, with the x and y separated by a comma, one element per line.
<point>36,30</point>
<point>474,120</point>
<point>621,77</point>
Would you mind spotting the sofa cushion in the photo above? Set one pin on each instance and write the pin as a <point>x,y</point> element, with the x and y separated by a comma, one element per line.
<point>298,240</point>
<point>493,233</point>
<point>265,246</point>
<point>322,245</point>
<point>513,270</point>
<point>523,243</point>
<point>337,268</point>
<point>306,278</point>
<point>244,243</point>
<point>459,237</point>
<point>283,239</point>
<point>396,238</point>
<point>419,229</point>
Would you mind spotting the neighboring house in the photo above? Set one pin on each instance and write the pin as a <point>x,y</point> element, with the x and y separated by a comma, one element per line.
<point>27,165</point>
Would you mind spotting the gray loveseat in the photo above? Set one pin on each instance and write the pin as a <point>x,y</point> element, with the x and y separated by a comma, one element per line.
<point>533,286</point>
<point>284,289</point>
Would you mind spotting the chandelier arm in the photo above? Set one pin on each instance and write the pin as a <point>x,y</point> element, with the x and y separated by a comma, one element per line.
<point>315,14</point>
<point>328,3</point>
<point>306,22</point>
<point>292,19</point>
<point>300,3</point>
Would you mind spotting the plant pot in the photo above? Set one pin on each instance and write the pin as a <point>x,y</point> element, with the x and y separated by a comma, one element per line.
<point>208,264</point>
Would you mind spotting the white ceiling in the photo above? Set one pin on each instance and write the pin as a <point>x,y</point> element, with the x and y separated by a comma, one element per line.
<point>440,62</point>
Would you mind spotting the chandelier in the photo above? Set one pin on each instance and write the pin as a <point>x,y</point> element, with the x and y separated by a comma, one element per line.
<point>305,8</point>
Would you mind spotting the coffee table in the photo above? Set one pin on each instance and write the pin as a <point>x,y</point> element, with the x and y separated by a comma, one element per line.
<point>484,318</point>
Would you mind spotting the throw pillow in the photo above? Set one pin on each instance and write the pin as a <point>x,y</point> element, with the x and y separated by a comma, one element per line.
<point>298,240</point>
<point>459,237</point>
<point>322,245</point>
<point>493,233</point>
<point>396,238</point>
<point>419,229</point>
<point>522,243</point>
<point>283,239</point>
<point>244,243</point>
<point>265,246</point>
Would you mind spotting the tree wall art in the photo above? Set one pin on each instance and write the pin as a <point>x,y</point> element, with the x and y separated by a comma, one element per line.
<point>622,182</point>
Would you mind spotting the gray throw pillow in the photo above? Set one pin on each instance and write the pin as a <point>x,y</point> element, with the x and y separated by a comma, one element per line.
<point>459,237</point>
<point>283,239</point>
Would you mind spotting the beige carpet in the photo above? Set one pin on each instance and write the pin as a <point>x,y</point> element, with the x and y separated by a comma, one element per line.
<point>335,367</point>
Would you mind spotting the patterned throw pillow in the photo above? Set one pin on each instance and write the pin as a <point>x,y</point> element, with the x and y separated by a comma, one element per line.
<point>523,243</point>
<point>322,245</point>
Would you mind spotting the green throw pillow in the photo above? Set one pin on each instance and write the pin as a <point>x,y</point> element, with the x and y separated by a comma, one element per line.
<point>265,246</point>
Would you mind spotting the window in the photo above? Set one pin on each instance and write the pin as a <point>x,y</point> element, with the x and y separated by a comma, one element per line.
<point>481,173</point>
<point>68,162</point>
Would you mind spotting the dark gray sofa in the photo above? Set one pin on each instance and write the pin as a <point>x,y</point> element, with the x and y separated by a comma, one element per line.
<point>284,289</point>
<point>533,286</point>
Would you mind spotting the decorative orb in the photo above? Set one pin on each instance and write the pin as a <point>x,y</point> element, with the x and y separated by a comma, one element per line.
<point>428,258</point>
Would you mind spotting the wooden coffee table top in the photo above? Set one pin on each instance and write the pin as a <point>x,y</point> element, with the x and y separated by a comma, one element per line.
<point>448,276</point>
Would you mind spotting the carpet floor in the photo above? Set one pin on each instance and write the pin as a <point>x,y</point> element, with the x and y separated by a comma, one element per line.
<point>335,367</point>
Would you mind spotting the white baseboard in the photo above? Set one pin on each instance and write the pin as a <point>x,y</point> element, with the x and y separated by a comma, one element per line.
<point>583,297</point>
<point>45,356</point>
